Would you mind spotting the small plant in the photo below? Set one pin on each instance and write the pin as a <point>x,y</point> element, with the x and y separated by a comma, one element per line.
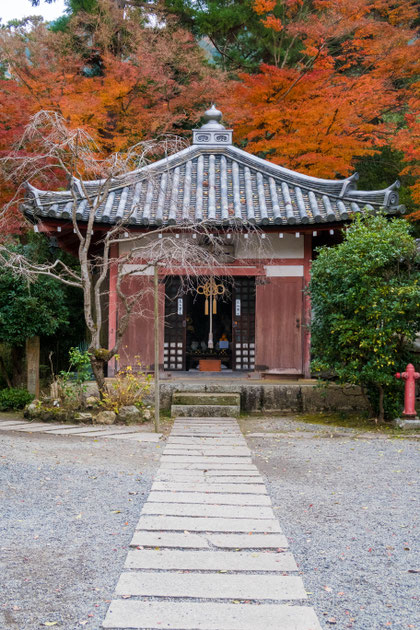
<point>69,386</point>
<point>79,362</point>
<point>14,398</point>
<point>128,388</point>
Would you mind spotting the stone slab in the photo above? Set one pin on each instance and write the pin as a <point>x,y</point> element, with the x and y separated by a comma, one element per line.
<point>210,410</point>
<point>218,466</point>
<point>198,459</point>
<point>139,615</point>
<point>105,432</point>
<point>211,475</point>
<point>200,509</point>
<point>206,423</point>
<point>236,488</point>
<point>211,586</point>
<point>192,478</point>
<point>38,426</point>
<point>228,451</point>
<point>209,524</point>
<point>211,433</point>
<point>407,423</point>
<point>248,541</point>
<point>206,441</point>
<point>82,431</point>
<point>47,427</point>
<point>138,437</point>
<point>209,498</point>
<point>206,434</point>
<point>169,539</point>
<point>184,560</point>
<point>11,423</point>
<point>39,429</point>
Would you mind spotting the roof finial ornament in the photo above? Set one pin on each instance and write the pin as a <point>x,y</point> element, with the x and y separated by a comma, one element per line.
<point>212,133</point>
<point>213,114</point>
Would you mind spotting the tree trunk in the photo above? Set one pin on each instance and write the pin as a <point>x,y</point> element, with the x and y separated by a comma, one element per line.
<point>98,368</point>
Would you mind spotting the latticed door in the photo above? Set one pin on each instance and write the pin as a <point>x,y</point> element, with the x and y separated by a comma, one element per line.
<point>243,317</point>
<point>175,328</point>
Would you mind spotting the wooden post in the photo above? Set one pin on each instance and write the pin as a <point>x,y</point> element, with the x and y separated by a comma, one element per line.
<point>32,366</point>
<point>307,308</point>
<point>156,317</point>
<point>112,306</point>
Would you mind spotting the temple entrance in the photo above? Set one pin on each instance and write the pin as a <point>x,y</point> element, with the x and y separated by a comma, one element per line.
<point>212,326</point>
<point>209,326</point>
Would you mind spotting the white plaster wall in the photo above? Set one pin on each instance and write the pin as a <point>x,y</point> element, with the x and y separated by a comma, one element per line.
<point>252,247</point>
<point>269,247</point>
<point>284,271</point>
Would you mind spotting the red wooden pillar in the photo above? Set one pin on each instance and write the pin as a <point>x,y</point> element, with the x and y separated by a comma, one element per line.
<point>112,306</point>
<point>307,307</point>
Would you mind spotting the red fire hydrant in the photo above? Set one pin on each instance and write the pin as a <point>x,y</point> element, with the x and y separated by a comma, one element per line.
<point>410,376</point>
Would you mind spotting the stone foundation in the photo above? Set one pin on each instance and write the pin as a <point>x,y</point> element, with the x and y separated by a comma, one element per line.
<point>262,397</point>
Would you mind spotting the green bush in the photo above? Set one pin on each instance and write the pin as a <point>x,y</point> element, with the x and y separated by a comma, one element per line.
<point>365,295</point>
<point>14,398</point>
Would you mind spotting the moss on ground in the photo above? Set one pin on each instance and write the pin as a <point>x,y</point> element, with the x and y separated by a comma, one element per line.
<point>348,420</point>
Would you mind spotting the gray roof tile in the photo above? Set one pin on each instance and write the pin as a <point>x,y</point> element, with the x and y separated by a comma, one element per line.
<point>215,182</point>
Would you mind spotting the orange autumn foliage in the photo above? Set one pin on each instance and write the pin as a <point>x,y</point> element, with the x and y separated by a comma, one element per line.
<point>108,74</point>
<point>341,87</point>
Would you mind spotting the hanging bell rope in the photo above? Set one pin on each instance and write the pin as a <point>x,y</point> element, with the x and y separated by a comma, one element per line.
<point>211,290</point>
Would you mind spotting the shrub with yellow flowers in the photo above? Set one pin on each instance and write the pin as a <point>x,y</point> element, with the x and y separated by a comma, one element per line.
<point>130,386</point>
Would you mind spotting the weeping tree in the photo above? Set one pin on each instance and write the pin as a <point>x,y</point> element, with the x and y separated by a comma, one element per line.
<point>50,153</point>
<point>365,296</point>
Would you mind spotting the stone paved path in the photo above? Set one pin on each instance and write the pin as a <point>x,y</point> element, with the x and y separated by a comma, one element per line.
<point>208,552</point>
<point>94,431</point>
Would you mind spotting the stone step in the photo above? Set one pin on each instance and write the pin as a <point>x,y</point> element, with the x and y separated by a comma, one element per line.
<point>192,477</point>
<point>211,586</point>
<point>206,459</point>
<point>198,509</point>
<point>139,615</point>
<point>248,541</point>
<point>208,524</point>
<point>205,398</point>
<point>207,466</point>
<point>220,488</point>
<point>208,411</point>
<point>206,450</point>
<point>187,560</point>
<point>208,498</point>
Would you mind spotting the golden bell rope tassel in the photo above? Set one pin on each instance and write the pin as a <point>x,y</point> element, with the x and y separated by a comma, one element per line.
<point>206,307</point>
<point>214,306</point>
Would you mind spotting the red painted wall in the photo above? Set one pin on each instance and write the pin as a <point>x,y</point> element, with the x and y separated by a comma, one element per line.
<point>138,340</point>
<point>278,326</point>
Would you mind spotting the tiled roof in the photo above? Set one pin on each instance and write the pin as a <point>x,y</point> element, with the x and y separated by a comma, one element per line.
<point>214,181</point>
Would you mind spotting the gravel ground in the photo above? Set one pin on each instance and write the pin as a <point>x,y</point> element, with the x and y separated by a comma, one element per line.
<point>69,507</point>
<point>349,507</point>
<point>347,503</point>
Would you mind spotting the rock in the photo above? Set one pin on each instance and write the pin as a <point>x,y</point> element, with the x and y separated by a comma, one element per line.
<point>91,401</point>
<point>147,415</point>
<point>83,417</point>
<point>129,414</point>
<point>407,423</point>
<point>106,417</point>
<point>33,410</point>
